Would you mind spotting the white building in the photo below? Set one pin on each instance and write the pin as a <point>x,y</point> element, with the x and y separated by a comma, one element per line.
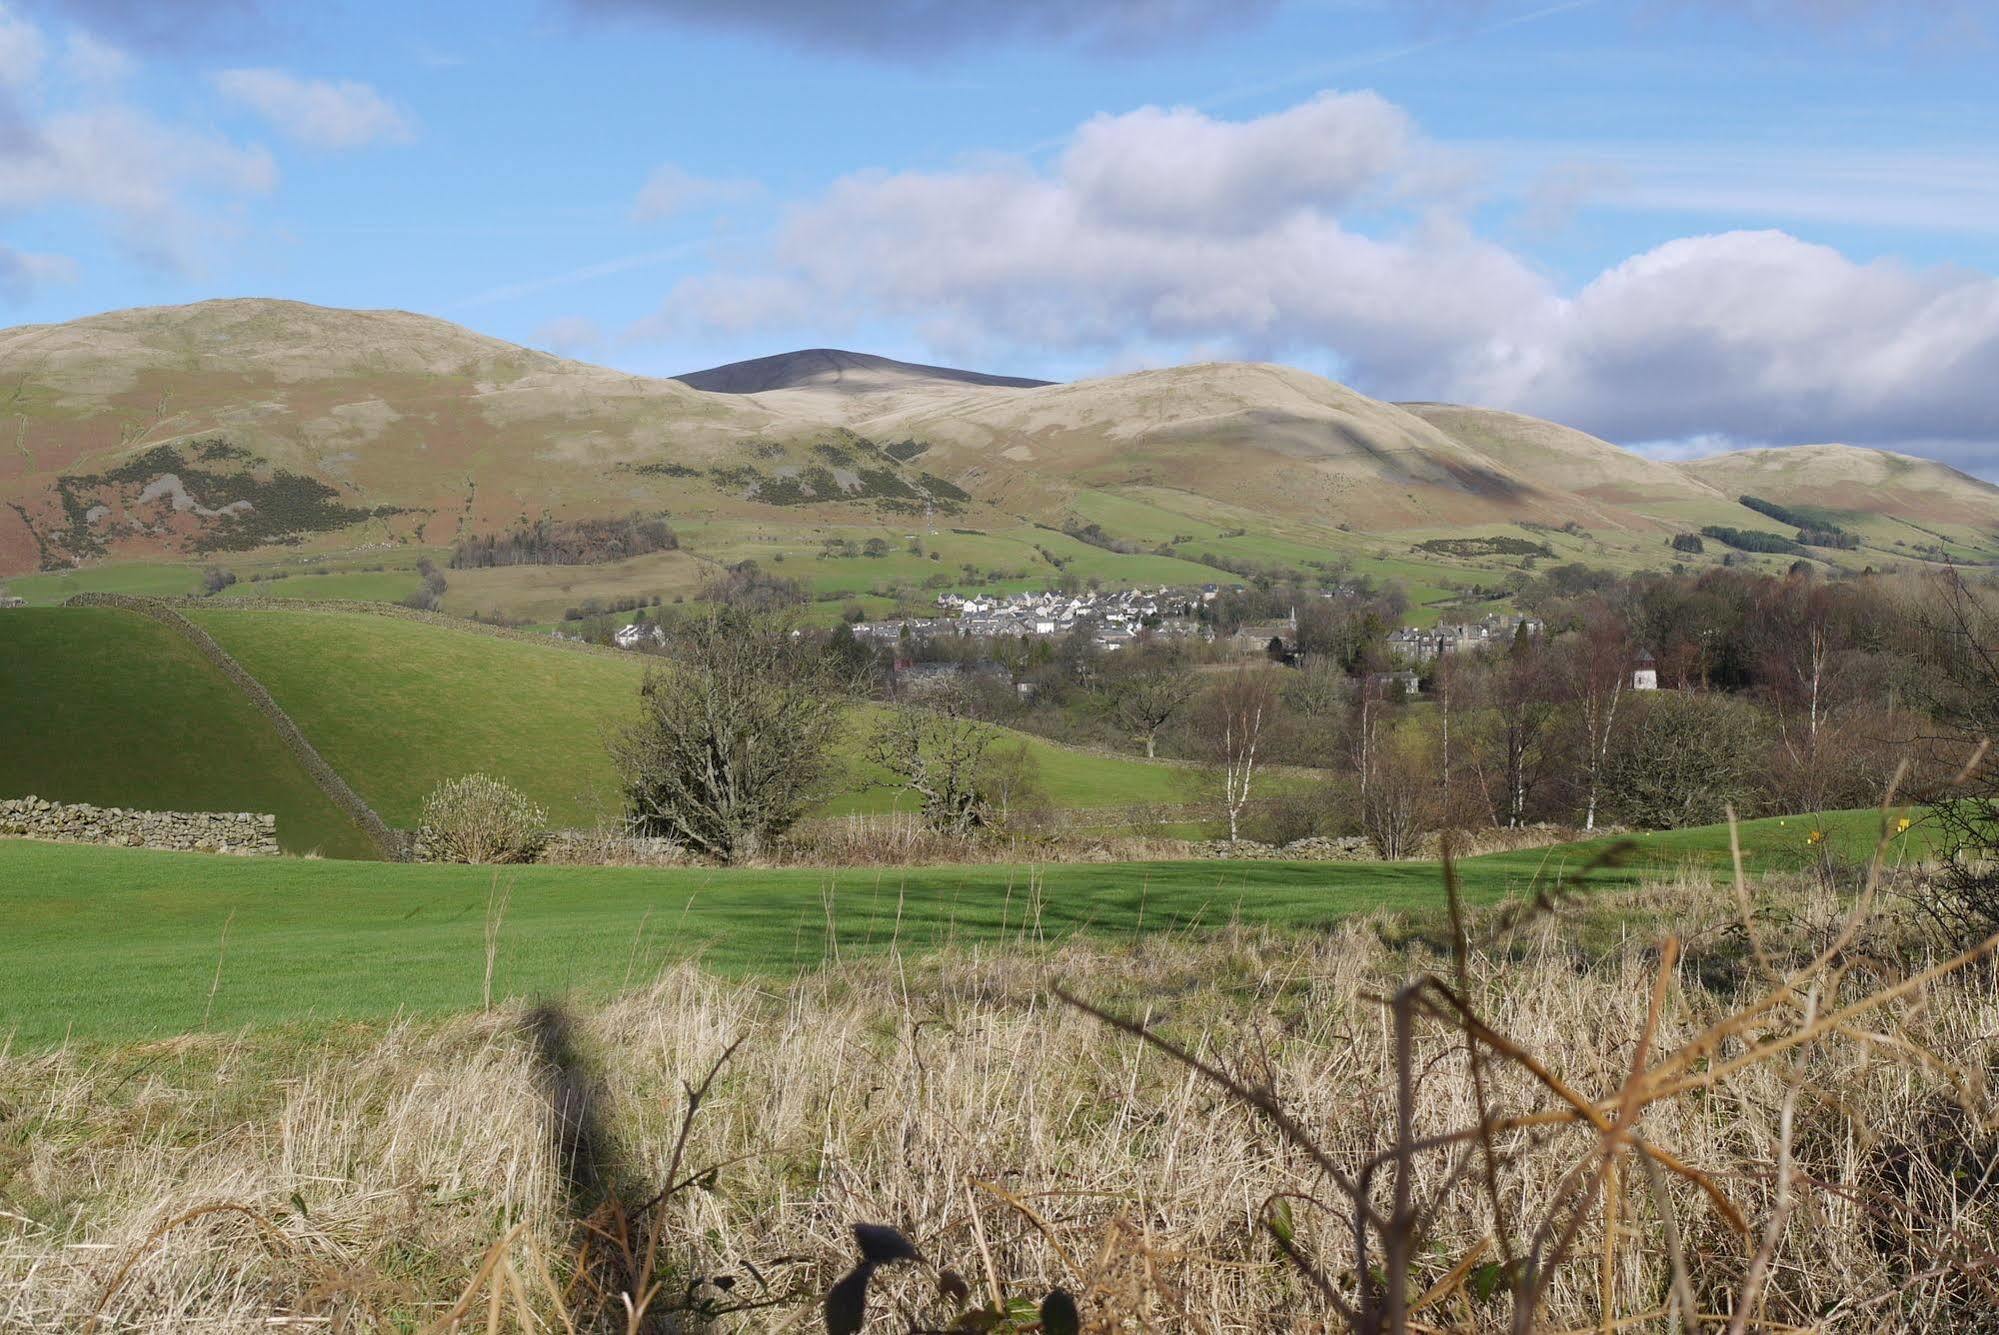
<point>1645,673</point>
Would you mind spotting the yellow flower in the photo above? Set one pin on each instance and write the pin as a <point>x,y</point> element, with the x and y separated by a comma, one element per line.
<point>1815,837</point>
<point>1903,824</point>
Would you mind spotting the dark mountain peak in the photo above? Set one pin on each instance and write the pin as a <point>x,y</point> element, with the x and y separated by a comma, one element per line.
<point>839,370</point>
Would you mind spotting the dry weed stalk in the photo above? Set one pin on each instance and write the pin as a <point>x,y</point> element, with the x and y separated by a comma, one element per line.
<point>1381,1291</point>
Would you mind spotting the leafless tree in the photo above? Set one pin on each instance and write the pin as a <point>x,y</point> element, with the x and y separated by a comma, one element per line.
<point>1233,720</point>
<point>730,738</point>
<point>1146,698</point>
<point>939,754</point>
<point>1401,798</point>
<point>1595,670</point>
<point>1955,629</point>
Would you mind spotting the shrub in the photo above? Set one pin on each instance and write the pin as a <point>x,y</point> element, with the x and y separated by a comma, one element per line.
<point>1690,759</point>
<point>481,820</point>
<point>729,743</point>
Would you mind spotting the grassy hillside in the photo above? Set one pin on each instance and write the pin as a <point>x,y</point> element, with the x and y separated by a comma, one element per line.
<point>109,708</point>
<point>116,943</point>
<point>396,706</point>
<point>378,437</point>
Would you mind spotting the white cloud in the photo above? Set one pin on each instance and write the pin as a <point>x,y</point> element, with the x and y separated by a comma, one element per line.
<point>94,62</point>
<point>1179,168</point>
<point>1763,336</point>
<point>569,335</point>
<point>1262,238</point>
<point>22,50</point>
<point>672,190</point>
<point>321,113</point>
<point>140,172</point>
<point>1167,226</point>
<point>22,274</point>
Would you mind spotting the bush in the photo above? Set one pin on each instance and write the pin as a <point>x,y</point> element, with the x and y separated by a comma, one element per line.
<point>1690,759</point>
<point>481,820</point>
<point>730,743</point>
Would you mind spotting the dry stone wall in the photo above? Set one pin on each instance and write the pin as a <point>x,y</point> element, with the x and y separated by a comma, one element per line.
<point>241,832</point>
<point>391,842</point>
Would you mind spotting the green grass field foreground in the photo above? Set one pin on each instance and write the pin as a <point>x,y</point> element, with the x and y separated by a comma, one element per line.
<point>114,944</point>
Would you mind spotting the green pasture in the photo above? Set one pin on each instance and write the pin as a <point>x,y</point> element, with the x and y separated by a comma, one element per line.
<point>116,710</point>
<point>115,944</point>
<point>112,709</point>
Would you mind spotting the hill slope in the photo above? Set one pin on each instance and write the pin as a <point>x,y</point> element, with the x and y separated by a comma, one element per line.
<point>1898,505</point>
<point>116,710</point>
<point>246,430</point>
<point>840,371</point>
<point>391,426</point>
<point>1271,438</point>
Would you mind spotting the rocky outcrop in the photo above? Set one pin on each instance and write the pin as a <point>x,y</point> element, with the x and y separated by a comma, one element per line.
<point>240,832</point>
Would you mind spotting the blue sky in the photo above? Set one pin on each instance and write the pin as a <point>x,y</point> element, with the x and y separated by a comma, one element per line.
<point>1678,223</point>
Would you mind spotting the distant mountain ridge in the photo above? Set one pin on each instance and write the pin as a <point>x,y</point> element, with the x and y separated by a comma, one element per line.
<point>852,371</point>
<point>128,434</point>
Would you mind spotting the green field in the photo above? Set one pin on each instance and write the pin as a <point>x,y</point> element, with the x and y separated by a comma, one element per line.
<point>395,706</point>
<point>113,709</point>
<point>119,943</point>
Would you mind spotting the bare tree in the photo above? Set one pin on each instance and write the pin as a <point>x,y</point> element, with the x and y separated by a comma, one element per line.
<point>1400,800</point>
<point>731,738</point>
<point>1144,700</point>
<point>940,755</point>
<point>1520,694</point>
<point>1595,670</point>
<point>1370,701</point>
<point>1801,632</point>
<point>1234,718</point>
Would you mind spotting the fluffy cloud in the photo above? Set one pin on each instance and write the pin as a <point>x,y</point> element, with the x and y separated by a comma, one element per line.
<point>1160,168</point>
<point>1268,238</point>
<point>672,190</point>
<point>23,274</point>
<point>569,335</point>
<point>94,62</point>
<point>1761,336</point>
<point>890,28</point>
<point>21,50</point>
<point>321,113</point>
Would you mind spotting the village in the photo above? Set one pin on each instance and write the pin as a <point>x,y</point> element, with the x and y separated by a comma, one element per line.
<point>1116,618</point>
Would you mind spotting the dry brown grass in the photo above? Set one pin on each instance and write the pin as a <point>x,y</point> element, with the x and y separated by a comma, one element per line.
<point>1818,1166</point>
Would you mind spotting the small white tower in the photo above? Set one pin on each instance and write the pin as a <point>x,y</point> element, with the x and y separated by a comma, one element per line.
<point>1645,672</point>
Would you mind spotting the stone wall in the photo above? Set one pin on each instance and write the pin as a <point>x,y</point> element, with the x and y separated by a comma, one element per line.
<point>239,832</point>
<point>391,843</point>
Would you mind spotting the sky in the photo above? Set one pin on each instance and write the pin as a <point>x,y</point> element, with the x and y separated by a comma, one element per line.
<point>1683,225</point>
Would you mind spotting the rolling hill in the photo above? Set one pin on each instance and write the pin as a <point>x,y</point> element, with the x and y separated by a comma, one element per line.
<point>111,708</point>
<point>1899,503</point>
<point>273,435</point>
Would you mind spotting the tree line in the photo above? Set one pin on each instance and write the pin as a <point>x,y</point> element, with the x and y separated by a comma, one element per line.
<point>569,542</point>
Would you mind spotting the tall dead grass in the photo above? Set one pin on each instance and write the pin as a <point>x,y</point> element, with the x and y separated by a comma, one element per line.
<point>1779,1120</point>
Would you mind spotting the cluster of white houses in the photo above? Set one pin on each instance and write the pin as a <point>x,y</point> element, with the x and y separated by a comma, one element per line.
<point>1113,617</point>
